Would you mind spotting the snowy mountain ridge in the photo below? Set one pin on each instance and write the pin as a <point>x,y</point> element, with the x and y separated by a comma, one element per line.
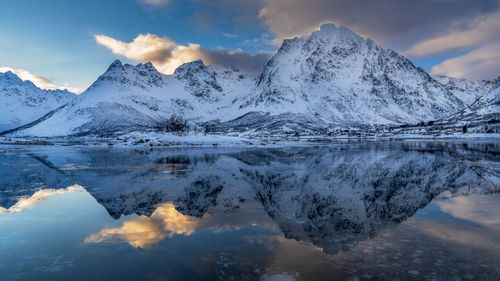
<point>480,86</point>
<point>486,110</point>
<point>330,79</point>
<point>468,90</point>
<point>128,98</point>
<point>23,102</point>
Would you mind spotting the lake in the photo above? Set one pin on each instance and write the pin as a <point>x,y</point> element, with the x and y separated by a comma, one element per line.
<point>405,210</point>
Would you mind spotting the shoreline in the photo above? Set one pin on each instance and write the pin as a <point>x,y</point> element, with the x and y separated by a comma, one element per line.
<point>156,140</point>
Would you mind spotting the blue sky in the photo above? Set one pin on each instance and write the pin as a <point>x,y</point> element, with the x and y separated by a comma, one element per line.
<point>56,39</point>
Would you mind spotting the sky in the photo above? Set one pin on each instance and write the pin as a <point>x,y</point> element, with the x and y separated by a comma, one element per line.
<point>68,44</point>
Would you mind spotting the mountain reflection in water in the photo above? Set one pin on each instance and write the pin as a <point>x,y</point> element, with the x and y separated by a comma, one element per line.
<point>336,199</point>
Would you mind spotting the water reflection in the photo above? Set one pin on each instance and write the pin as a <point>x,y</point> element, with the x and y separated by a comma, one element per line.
<point>27,202</point>
<point>305,203</point>
<point>165,222</point>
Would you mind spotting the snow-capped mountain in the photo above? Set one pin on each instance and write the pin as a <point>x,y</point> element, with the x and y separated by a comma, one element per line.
<point>468,90</point>
<point>127,98</point>
<point>22,102</point>
<point>330,79</point>
<point>486,110</point>
<point>489,104</point>
<point>337,77</point>
<point>480,86</point>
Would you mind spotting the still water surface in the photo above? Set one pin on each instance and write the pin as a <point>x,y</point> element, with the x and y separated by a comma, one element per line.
<point>348,211</point>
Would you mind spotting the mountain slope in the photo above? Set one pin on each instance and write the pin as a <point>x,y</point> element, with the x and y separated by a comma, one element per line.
<point>468,90</point>
<point>485,110</point>
<point>488,105</point>
<point>22,102</point>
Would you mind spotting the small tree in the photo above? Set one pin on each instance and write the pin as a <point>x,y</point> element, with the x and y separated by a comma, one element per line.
<point>175,124</point>
<point>464,129</point>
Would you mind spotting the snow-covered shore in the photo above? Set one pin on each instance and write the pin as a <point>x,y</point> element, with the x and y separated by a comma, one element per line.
<point>137,139</point>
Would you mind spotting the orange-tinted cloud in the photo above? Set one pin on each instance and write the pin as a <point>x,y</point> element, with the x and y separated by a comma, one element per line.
<point>166,55</point>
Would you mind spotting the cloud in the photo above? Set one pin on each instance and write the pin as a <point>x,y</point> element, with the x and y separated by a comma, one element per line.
<point>481,231</point>
<point>156,3</point>
<point>240,15</point>
<point>457,235</point>
<point>480,209</point>
<point>479,38</point>
<point>482,63</point>
<point>422,28</point>
<point>265,39</point>
<point>39,81</point>
<point>167,55</point>
<point>398,23</point>
<point>478,32</point>
<point>229,35</point>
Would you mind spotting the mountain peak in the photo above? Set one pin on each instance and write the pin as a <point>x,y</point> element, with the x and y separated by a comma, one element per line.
<point>328,27</point>
<point>10,77</point>
<point>117,64</point>
<point>331,28</point>
<point>190,68</point>
<point>196,62</point>
<point>148,66</point>
<point>150,72</point>
<point>114,69</point>
<point>195,66</point>
<point>141,75</point>
<point>199,80</point>
<point>332,31</point>
<point>146,69</point>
